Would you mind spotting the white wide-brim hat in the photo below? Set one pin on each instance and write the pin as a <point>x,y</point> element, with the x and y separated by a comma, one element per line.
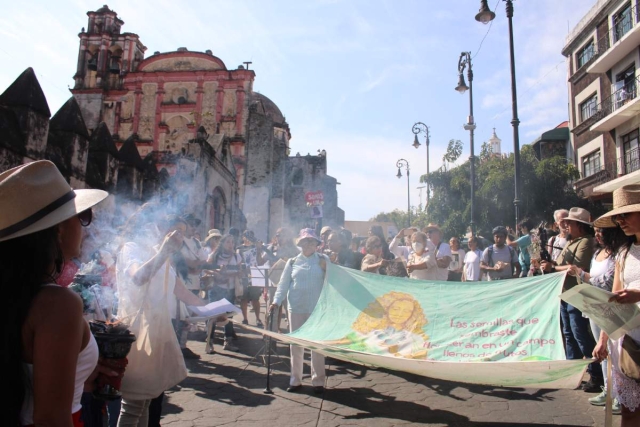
<point>579,215</point>
<point>626,199</point>
<point>35,196</point>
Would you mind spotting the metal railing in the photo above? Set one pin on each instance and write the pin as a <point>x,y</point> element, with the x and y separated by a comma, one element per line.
<point>629,162</point>
<point>619,29</point>
<point>617,99</point>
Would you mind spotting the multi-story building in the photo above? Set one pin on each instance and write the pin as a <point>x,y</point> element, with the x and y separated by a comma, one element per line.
<point>603,58</point>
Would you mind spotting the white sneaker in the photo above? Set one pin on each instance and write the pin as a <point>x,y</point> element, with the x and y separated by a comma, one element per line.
<point>617,409</point>
<point>599,400</point>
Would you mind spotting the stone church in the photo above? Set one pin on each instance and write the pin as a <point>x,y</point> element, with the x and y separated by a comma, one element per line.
<point>180,126</point>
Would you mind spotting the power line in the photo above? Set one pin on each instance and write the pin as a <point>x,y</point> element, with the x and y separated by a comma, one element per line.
<point>486,34</point>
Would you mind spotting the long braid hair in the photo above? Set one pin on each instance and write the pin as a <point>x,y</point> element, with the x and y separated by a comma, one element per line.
<point>28,263</point>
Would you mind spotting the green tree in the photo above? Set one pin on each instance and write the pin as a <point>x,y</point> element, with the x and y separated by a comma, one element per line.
<point>545,187</point>
<point>454,150</point>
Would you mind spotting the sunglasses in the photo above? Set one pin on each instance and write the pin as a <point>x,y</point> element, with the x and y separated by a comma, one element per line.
<point>85,217</point>
<point>618,217</point>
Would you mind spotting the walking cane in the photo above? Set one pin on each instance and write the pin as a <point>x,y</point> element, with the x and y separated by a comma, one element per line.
<point>269,323</point>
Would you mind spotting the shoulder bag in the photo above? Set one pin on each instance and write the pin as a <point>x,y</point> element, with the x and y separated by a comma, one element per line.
<point>629,360</point>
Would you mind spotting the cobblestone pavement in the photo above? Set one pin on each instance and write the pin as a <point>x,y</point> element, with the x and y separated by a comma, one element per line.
<point>226,388</point>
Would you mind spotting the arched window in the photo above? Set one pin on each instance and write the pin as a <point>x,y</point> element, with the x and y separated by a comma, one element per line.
<point>218,209</point>
<point>298,177</point>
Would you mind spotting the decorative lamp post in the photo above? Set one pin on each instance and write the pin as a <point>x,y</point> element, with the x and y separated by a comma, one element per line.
<point>465,62</point>
<point>417,128</point>
<point>485,15</point>
<point>402,163</point>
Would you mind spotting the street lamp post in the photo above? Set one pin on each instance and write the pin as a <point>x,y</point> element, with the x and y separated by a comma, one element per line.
<point>418,128</point>
<point>465,62</point>
<point>402,163</point>
<point>485,15</point>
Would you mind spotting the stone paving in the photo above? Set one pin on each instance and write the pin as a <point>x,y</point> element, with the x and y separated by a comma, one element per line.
<point>226,388</point>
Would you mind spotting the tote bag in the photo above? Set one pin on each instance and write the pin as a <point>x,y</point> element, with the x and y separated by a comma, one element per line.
<point>155,361</point>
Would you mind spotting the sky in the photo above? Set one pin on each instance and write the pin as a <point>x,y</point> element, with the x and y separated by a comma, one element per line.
<point>350,76</point>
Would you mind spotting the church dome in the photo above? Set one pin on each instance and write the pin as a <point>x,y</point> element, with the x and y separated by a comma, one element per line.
<point>269,107</point>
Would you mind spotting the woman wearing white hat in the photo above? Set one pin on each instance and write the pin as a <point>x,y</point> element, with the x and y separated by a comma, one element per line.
<point>626,287</point>
<point>48,351</point>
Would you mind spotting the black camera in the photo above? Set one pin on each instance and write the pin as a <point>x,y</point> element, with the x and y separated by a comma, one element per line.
<point>542,234</point>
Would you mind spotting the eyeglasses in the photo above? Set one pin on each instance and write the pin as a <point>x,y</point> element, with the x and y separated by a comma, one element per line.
<point>618,217</point>
<point>85,217</point>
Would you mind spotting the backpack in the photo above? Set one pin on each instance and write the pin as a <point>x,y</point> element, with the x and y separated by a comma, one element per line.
<point>490,253</point>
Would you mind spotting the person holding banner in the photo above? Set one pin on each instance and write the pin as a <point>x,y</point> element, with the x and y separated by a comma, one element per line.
<point>626,289</point>
<point>373,261</point>
<point>579,342</point>
<point>422,264</point>
<point>301,284</point>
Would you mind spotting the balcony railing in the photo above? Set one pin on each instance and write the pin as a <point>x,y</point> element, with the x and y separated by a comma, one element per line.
<point>619,29</point>
<point>629,162</point>
<point>617,100</point>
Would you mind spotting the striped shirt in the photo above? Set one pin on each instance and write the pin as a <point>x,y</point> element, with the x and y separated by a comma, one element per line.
<point>301,283</point>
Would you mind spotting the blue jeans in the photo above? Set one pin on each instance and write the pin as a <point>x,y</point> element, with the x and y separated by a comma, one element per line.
<point>216,294</point>
<point>578,340</point>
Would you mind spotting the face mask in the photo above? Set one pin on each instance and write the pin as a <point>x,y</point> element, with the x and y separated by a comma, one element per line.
<point>417,246</point>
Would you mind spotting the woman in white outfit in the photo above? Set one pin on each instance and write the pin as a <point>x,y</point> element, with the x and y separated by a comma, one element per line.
<point>626,287</point>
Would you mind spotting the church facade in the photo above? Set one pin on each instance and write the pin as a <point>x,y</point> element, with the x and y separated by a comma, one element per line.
<point>193,118</point>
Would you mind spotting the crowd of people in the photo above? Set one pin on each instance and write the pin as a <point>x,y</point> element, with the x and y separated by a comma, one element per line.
<point>161,266</point>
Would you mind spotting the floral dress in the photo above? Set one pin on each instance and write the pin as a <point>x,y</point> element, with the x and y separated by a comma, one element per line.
<point>626,389</point>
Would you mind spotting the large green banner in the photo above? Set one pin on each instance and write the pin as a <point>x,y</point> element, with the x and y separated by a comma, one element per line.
<point>503,333</point>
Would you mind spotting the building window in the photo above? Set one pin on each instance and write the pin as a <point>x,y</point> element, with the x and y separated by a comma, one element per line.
<point>585,54</point>
<point>624,88</point>
<point>630,152</point>
<point>298,178</point>
<point>622,22</point>
<point>591,164</point>
<point>588,108</point>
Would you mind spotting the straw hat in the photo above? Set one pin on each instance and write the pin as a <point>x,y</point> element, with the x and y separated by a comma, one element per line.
<point>35,196</point>
<point>214,232</point>
<point>325,229</point>
<point>625,200</point>
<point>307,233</point>
<point>432,226</point>
<point>579,215</point>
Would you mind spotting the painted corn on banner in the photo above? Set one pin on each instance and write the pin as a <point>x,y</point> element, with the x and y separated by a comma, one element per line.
<point>501,333</point>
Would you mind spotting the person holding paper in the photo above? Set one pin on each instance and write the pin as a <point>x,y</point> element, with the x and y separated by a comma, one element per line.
<point>301,284</point>
<point>626,289</point>
<point>601,274</point>
<point>146,280</point>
